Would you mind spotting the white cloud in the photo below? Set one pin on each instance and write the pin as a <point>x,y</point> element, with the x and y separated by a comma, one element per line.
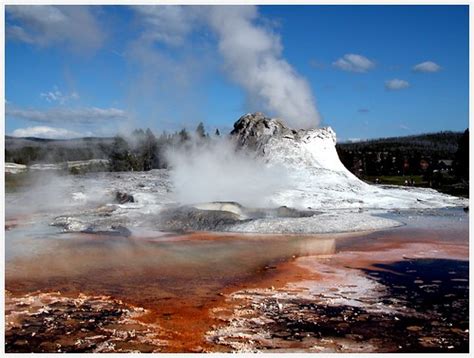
<point>169,24</point>
<point>45,132</point>
<point>47,25</point>
<point>396,84</point>
<point>354,63</point>
<point>57,96</point>
<point>427,66</point>
<point>90,115</point>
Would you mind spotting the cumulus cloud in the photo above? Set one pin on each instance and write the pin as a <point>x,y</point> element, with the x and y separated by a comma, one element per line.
<point>89,115</point>
<point>45,132</point>
<point>354,63</point>
<point>47,25</point>
<point>396,84</point>
<point>427,66</point>
<point>57,96</point>
<point>253,59</point>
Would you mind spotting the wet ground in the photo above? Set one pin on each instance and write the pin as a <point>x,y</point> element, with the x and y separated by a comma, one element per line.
<point>422,306</point>
<point>54,322</point>
<point>401,290</point>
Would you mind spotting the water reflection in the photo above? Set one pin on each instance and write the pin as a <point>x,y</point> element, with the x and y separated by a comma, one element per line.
<point>154,266</point>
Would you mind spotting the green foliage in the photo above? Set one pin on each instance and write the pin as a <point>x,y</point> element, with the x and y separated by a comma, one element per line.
<point>120,158</point>
<point>394,160</point>
<point>183,135</point>
<point>461,159</point>
<point>399,155</point>
<point>200,131</point>
<point>35,150</point>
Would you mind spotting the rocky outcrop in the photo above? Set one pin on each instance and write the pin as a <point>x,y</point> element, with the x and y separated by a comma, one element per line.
<point>122,198</point>
<point>222,216</point>
<point>254,130</point>
<point>186,218</point>
<point>317,179</point>
<point>277,143</point>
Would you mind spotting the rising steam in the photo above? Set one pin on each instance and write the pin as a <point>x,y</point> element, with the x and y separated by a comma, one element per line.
<point>251,55</point>
<point>253,58</point>
<point>215,171</point>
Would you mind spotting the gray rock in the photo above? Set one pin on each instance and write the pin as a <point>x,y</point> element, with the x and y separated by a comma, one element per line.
<point>187,218</point>
<point>123,198</point>
<point>286,212</point>
<point>113,231</point>
<point>253,130</point>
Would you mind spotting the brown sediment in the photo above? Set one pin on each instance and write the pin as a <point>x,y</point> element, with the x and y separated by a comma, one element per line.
<point>187,319</point>
<point>182,296</point>
<point>175,296</point>
<point>10,224</point>
<point>54,322</point>
<point>184,320</point>
<point>335,298</point>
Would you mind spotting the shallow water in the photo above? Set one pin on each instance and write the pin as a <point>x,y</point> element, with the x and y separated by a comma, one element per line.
<point>156,267</point>
<point>181,277</point>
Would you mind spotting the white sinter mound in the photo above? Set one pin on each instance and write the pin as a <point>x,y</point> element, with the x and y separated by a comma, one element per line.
<point>318,178</point>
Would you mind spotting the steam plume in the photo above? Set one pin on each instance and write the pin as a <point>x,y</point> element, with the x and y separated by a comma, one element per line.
<point>253,58</point>
<point>217,172</point>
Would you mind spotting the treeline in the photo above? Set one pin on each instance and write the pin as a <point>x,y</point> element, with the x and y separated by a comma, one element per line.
<point>144,151</point>
<point>425,155</point>
<point>140,151</point>
<point>443,144</point>
<point>37,150</point>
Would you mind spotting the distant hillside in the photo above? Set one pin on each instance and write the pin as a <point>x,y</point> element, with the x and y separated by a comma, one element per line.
<point>31,150</point>
<point>394,156</point>
<point>441,144</point>
<point>422,154</point>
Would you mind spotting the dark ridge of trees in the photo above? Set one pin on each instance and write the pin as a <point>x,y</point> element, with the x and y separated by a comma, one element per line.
<point>441,160</point>
<point>183,135</point>
<point>411,155</point>
<point>140,151</point>
<point>461,158</point>
<point>433,156</point>
<point>441,143</point>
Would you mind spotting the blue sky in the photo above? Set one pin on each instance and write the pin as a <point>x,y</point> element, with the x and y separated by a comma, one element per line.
<point>366,71</point>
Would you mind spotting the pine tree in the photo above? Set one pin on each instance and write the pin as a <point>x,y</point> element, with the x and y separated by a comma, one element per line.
<point>120,156</point>
<point>461,161</point>
<point>200,131</point>
<point>183,135</point>
<point>150,151</point>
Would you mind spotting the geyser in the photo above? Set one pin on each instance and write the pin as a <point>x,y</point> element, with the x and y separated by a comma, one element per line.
<point>216,170</point>
<point>266,163</point>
